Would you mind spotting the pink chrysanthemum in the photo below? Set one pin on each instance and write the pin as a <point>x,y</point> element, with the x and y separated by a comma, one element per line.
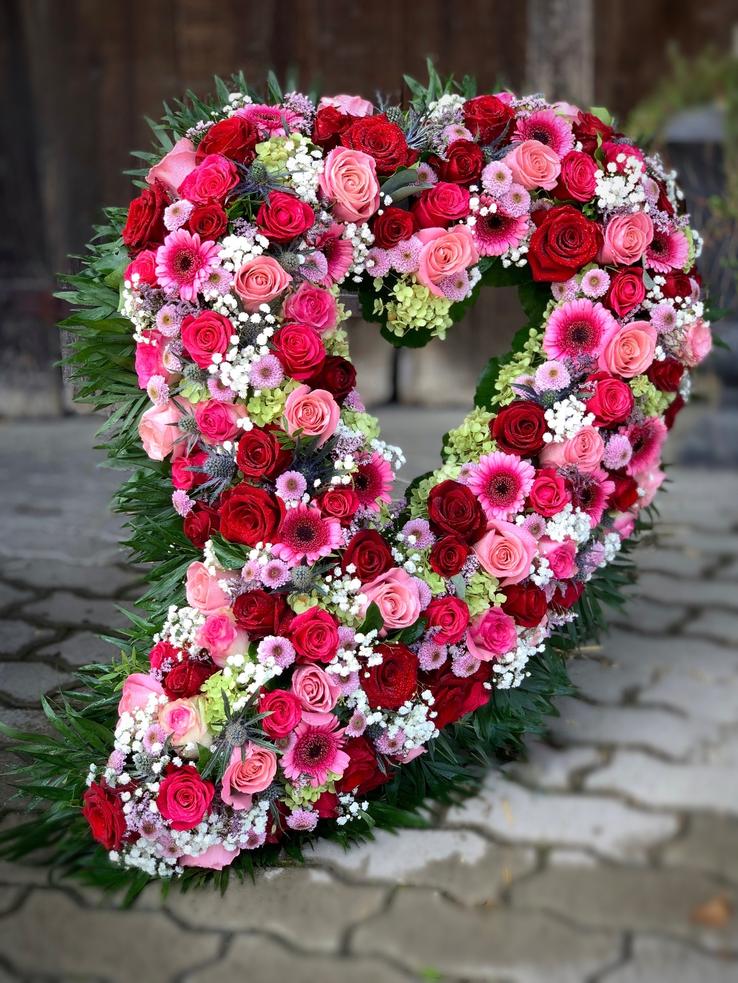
<point>274,648</point>
<point>667,251</point>
<point>306,535</point>
<point>219,392</point>
<point>270,120</point>
<point>578,328</point>
<point>338,252</point>
<point>266,372</point>
<point>595,283</point>
<point>426,174</point>
<point>251,572</point>
<point>314,751</point>
<point>168,320</point>
<point>372,482</point>
<point>617,452</point>
<point>157,390</point>
<point>546,127</point>
<point>497,231</point>
<point>391,744</point>
<point>182,502</point>
<point>304,820</point>
<point>405,256</point>
<point>550,376</point>
<point>176,214</point>
<point>431,655</point>
<point>291,485</point>
<point>378,262</point>
<point>184,263</point>
<point>647,440</point>
<point>465,665</point>
<point>535,524</point>
<point>501,481</point>
<point>664,318</point>
<point>275,573</point>
<point>516,201</point>
<point>315,267</point>
<point>218,281</point>
<point>420,530</point>
<point>564,291</point>
<point>497,178</point>
<point>590,492</point>
<point>456,287</point>
<point>356,725</point>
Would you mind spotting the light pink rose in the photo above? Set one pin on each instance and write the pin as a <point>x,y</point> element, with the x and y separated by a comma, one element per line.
<point>174,168</point>
<point>349,180</point>
<point>491,634</point>
<point>251,769</point>
<point>259,281</point>
<point>221,637</point>
<point>351,105</point>
<point>313,411</point>
<point>696,344</point>
<point>624,524</point>
<point>561,556</point>
<point>534,165</point>
<point>313,306</point>
<point>184,721</point>
<point>648,483</point>
<point>216,857</point>
<point>626,238</point>
<point>629,350</point>
<point>396,595</point>
<point>316,689</point>
<point>136,692</point>
<point>584,450</point>
<point>506,551</point>
<point>157,429</point>
<point>444,253</point>
<point>203,590</point>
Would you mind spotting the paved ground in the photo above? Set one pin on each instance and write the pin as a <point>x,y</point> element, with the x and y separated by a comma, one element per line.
<point>611,856</point>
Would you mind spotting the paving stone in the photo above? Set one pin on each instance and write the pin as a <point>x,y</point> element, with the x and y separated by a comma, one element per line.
<point>46,574</point>
<point>65,608</point>
<point>306,906</point>
<point>11,597</point>
<point>79,649</point>
<point>640,614</point>
<point>554,768</point>
<point>24,718</point>
<point>722,625</point>
<point>520,815</point>
<point>676,590</point>
<point>15,636</point>
<point>713,543</point>
<point>701,694</point>
<point>658,557</point>
<point>27,681</point>
<point>9,897</point>
<point>428,934</point>
<point>608,680</point>
<point>710,844</point>
<point>660,959</point>
<point>459,862</point>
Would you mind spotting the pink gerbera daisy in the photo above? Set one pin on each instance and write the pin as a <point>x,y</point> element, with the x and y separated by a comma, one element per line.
<point>546,127</point>
<point>497,231</point>
<point>372,482</point>
<point>646,439</point>
<point>578,328</point>
<point>667,251</point>
<point>590,492</point>
<point>306,535</point>
<point>501,481</point>
<point>338,252</point>
<point>184,263</point>
<point>314,751</point>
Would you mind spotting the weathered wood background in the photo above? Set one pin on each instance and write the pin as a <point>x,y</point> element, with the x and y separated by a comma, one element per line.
<point>77,77</point>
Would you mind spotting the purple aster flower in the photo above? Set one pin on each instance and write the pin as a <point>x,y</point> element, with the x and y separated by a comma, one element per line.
<point>303,819</point>
<point>406,255</point>
<point>275,573</point>
<point>465,665</point>
<point>431,655</point>
<point>278,649</point>
<point>356,725</point>
<point>266,372</point>
<point>420,529</point>
<point>291,486</point>
<point>391,744</point>
<point>618,452</point>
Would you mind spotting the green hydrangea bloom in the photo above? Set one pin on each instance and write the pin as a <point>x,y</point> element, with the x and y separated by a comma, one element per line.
<point>213,689</point>
<point>412,305</point>
<point>434,580</point>
<point>471,439</point>
<point>419,494</point>
<point>520,363</point>
<point>296,798</point>
<point>274,153</point>
<point>336,343</point>
<point>195,392</point>
<point>652,401</point>
<point>363,422</point>
<point>482,593</point>
<point>268,406</point>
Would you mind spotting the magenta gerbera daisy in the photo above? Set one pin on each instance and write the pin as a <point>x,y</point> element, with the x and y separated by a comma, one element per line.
<point>495,232</point>
<point>578,328</point>
<point>372,482</point>
<point>546,127</point>
<point>501,481</point>
<point>184,263</point>
<point>338,252</point>
<point>647,440</point>
<point>306,535</point>
<point>667,251</point>
<point>590,493</point>
<point>314,751</point>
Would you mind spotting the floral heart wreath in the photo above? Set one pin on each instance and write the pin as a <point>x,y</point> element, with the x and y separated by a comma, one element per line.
<point>317,657</point>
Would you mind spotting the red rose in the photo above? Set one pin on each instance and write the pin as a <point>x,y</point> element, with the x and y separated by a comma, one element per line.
<point>103,810</point>
<point>260,455</point>
<point>284,712</point>
<point>453,508</point>
<point>487,117</point>
<point>676,285</point>
<point>205,335</point>
<point>340,502</point>
<point>328,126</point>
<point>577,178</point>
<point>314,634</point>
<point>563,243</point>
<point>451,616</point>
<point>666,375</point>
<point>208,221</point>
<point>300,349</point>
<point>144,265</point>
<point>587,127</point>
<point>184,473</point>
<point>184,797</point>
<point>448,555</point>
<point>625,492</point>
<point>144,228</point>
<point>261,614</point>
<point>612,401</point>
<point>234,138</point>
<point>391,226</point>
<point>369,553</point>
<point>672,410</point>
<point>200,524</point>
<point>326,805</point>
<point>548,494</point>
<point>566,597</point>
<point>213,178</point>
<point>463,163</point>
<point>456,696</point>
<point>284,217</point>
<point>186,678</point>
<point>382,140</point>
<point>441,205</point>
<point>393,681</point>
<point>250,515</point>
<point>526,604</point>
<point>519,428</point>
<point>337,375</point>
<point>626,291</point>
<point>163,652</point>
<point>363,772</point>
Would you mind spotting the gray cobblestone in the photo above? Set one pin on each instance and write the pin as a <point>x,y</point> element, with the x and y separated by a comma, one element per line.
<point>64,608</point>
<point>655,960</point>
<point>710,844</point>
<point>78,649</point>
<point>26,681</point>
<point>19,635</point>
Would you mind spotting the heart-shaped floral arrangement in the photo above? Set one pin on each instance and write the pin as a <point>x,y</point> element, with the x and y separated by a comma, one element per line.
<point>316,657</point>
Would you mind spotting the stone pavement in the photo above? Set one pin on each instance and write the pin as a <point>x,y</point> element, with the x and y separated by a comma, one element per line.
<point>610,856</point>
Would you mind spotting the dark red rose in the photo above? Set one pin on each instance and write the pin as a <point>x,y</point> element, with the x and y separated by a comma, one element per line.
<point>453,508</point>
<point>103,810</point>
<point>612,400</point>
<point>260,455</point>
<point>208,221</point>
<point>672,410</point>
<point>284,217</point>
<point>363,772</point>
<point>566,597</point>
<point>250,515</point>
<point>205,335</point>
<point>626,291</point>
<point>488,118</point>
<point>676,285</point>
<point>463,163</point>
<point>519,428</point>
<point>284,712</point>
<point>300,349</point>
<point>451,616</point>
<point>261,614</point>
<point>144,228</point>
<point>328,126</point>
<point>526,604</point>
<point>314,633</point>
<point>337,375</point>
<point>200,524</point>
<point>382,140</point>
<point>625,492</point>
<point>548,494</point>
<point>341,502</point>
<point>391,226</point>
<point>394,680</point>
<point>577,178</point>
<point>326,805</point>
<point>563,243</point>
<point>186,678</point>
<point>184,797</point>
<point>184,473</point>
<point>369,553</point>
<point>448,555</point>
<point>441,205</point>
<point>666,375</point>
<point>455,696</point>
<point>587,128</point>
<point>234,138</point>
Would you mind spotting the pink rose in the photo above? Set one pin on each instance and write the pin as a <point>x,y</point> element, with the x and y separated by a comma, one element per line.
<point>214,858</point>
<point>506,551</point>
<point>648,483</point>
<point>349,180</point>
<point>137,689</point>
<point>216,420</point>
<point>157,429</point>
<point>626,238</point>
<point>203,590</point>
<point>491,634</point>
<point>313,411</point>
<point>174,168</point>
<point>561,556</point>
<point>624,525</point>
<point>184,721</point>
<point>312,306</point>
<point>220,636</point>
<point>444,253</point>
<point>210,181</point>
<point>396,595</point>
<point>534,165</point>
<point>584,450</point>
<point>149,360</point>
<point>696,344</point>
<point>251,769</point>
<point>259,281</point>
<point>629,350</point>
<point>351,105</point>
<point>316,689</point>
